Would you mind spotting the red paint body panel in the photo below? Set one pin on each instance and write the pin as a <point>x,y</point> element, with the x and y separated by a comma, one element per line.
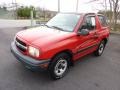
<point>51,41</point>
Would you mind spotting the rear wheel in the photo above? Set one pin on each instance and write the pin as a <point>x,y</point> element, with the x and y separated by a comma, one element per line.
<point>100,49</point>
<point>59,66</point>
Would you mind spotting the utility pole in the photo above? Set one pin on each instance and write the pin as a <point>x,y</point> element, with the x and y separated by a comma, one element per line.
<point>14,6</point>
<point>77,3</point>
<point>31,14</point>
<point>15,9</point>
<point>58,5</point>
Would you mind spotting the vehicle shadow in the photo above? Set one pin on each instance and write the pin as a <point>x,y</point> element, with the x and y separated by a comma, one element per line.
<point>44,77</point>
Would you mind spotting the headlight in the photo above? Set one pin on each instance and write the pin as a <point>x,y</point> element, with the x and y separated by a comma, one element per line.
<point>33,51</point>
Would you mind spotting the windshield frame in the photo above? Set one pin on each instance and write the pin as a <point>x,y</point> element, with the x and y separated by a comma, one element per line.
<point>63,28</point>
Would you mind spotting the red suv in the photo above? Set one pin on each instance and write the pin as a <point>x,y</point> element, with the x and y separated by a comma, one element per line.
<point>61,41</point>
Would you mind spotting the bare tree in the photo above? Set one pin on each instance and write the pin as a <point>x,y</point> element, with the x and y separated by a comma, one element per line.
<point>115,12</point>
<point>110,7</point>
<point>113,7</point>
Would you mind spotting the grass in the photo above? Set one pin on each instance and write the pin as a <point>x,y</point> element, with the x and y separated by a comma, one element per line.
<point>117,31</point>
<point>43,19</point>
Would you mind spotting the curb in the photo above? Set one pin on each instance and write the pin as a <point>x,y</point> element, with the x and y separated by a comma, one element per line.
<point>15,28</point>
<point>114,32</point>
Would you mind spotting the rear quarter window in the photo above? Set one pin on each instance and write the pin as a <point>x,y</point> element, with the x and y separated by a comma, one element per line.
<point>103,20</point>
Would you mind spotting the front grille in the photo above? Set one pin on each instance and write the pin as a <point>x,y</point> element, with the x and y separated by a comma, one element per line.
<point>21,42</point>
<point>21,45</point>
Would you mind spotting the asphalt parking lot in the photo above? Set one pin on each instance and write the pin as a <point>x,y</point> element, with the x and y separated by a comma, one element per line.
<point>90,73</point>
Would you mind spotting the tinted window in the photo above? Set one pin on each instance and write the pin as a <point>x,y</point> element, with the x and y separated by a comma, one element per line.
<point>102,20</point>
<point>89,23</point>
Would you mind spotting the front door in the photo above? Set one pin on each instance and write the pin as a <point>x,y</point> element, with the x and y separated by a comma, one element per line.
<point>87,43</point>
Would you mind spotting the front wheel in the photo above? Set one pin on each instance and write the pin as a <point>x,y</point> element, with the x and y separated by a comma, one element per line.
<point>59,66</point>
<point>100,49</point>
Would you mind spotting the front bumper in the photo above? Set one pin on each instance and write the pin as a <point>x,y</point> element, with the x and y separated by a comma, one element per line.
<point>29,62</point>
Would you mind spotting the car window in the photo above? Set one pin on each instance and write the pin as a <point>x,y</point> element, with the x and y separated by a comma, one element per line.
<point>102,20</point>
<point>67,22</point>
<point>89,23</point>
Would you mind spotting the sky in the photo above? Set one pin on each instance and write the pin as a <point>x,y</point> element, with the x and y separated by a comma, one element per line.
<point>65,5</point>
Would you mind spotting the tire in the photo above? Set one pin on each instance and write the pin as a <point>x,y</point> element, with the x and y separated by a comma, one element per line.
<point>100,49</point>
<point>59,66</point>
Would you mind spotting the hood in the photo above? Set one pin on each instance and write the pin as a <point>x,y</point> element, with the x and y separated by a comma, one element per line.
<point>41,35</point>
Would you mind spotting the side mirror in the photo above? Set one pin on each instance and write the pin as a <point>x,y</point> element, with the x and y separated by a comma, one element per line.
<point>83,32</point>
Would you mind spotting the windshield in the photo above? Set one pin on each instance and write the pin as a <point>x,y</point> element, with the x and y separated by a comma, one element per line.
<point>66,22</point>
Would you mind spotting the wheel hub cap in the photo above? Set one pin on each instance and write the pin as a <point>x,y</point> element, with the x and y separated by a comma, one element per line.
<point>101,48</point>
<point>60,67</point>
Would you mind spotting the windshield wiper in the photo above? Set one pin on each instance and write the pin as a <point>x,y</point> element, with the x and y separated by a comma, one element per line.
<point>47,25</point>
<point>57,28</point>
<point>54,27</point>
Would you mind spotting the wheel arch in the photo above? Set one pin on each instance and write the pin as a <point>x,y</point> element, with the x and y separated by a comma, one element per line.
<point>105,39</point>
<point>67,51</point>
